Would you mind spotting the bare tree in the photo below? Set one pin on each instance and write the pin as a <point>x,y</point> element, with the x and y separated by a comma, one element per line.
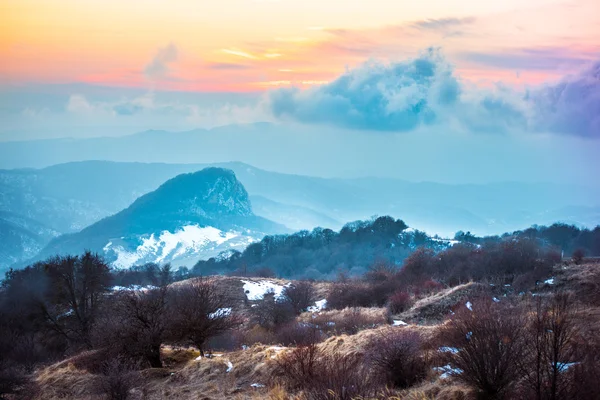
<point>77,286</point>
<point>199,311</point>
<point>137,325</point>
<point>550,346</point>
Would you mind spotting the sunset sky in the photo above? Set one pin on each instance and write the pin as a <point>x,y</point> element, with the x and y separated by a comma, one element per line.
<point>515,82</point>
<point>253,45</point>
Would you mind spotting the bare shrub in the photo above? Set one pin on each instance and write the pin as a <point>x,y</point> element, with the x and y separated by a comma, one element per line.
<point>550,346</point>
<point>578,256</point>
<point>359,294</point>
<point>197,312</point>
<point>350,320</point>
<point>418,266</point>
<point>300,295</point>
<point>12,380</point>
<point>117,378</point>
<point>583,377</point>
<point>399,302</point>
<point>257,334</point>
<point>380,271</point>
<point>271,312</point>
<point>323,376</point>
<point>397,355</point>
<point>552,257</point>
<point>431,286</point>
<point>487,345</point>
<point>298,334</point>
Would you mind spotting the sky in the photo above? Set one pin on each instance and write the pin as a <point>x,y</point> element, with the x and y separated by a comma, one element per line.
<point>489,74</point>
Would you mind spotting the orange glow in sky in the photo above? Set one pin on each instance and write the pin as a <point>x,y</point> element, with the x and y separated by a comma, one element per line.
<point>250,45</point>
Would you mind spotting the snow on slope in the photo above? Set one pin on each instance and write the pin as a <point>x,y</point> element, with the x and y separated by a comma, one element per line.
<point>168,246</point>
<point>258,290</point>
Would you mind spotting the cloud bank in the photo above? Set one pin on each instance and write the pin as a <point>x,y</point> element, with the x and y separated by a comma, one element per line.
<point>403,96</point>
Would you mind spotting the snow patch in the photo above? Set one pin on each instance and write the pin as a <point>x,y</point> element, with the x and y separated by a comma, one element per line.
<point>229,366</point>
<point>398,322</point>
<point>258,290</point>
<point>446,349</point>
<point>447,371</point>
<point>169,245</point>
<point>469,305</point>
<point>549,281</point>
<point>257,385</point>
<point>221,312</point>
<point>319,306</point>
<point>132,288</point>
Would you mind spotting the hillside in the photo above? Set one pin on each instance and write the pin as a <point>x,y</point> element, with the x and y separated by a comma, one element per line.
<point>250,366</point>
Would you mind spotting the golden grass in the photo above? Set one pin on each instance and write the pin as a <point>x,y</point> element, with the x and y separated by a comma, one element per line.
<point>348,320</point>
<point>184,377</point>
<point>433,309</point>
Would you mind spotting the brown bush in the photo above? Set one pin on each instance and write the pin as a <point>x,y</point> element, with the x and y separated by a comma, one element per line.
<point>489,344</point>
<point>380,271</point>
<point>349,321</point>
<point>298,334</point>
<point>257,334</point>
<point>118,377</point>
<point>324,376</point>
<point>431,286</point>
<point>12,380</point>
<point>583,376</point>
<point>399,302</point>
<point>397,355</point>
<point>271,313</point>
<point>300,295</point>
<point>359,294</point>
<point>550,346</point>
<point>578,256</point>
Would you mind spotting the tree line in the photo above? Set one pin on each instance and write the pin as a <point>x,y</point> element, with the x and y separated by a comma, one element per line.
<point>323,253</point>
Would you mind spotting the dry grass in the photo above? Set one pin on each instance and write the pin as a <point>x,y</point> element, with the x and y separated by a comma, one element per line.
<point>65,381</point>
<point>583,280</point>
<point>184,377</point>
<point>433,309</point>
<point>348,320</point>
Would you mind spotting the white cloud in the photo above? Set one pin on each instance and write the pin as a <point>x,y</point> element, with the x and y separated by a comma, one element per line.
<point>424,91</point>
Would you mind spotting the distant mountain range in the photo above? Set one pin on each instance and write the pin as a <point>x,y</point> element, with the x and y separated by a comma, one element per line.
<point>36,205</point>
<point>188,217</point>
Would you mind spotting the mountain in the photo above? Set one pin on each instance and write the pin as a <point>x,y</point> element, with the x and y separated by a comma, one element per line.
<point>62,198</point>
<point>21,238</point>
<point>294,217</point>
<point>192,216</point>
